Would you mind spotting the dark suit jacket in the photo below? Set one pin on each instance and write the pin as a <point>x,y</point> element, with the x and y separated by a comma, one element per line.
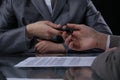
<point>16,14</point>
<point>107,65</point>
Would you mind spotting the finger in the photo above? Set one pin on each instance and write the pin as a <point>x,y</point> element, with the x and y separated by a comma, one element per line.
<point>38,46</point>
<point>65,35</point>
<point>53,25</point>
<point>55,28</point>
<point>73,26</point>
<point>64,27</point>
<point>73,45</point>
<point>76,35</point>
<point>41,48</point>
<point>39,40</point>
<point>59,26</point>
<point>55,32</point>
<point>68,40</point>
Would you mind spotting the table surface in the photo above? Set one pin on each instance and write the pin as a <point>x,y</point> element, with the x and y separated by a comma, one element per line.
<point>34,73</point>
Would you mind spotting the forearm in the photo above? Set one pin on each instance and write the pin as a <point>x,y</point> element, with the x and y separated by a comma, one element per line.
<point>13,41</point>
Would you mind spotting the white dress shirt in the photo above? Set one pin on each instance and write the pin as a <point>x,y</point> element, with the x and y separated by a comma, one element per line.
<point>48,3</point>
<point>108,42</point>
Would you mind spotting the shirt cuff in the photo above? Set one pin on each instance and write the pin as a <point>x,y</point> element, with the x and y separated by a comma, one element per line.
<point>108,42</point>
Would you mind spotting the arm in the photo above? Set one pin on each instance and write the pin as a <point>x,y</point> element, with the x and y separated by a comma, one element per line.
<point>107,65</point>
<point>84,38</point>
<point>88,38</point>
<point>12,37</point>
<point>94,19</point>
<point>48,47</point>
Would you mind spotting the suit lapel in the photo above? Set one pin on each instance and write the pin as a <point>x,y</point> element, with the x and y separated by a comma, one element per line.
<point>73,7</point>
<point>42,9</point>
<point>58,7</point>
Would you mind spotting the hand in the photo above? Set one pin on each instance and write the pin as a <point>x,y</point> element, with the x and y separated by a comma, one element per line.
<point>43,30</point>
<point>84,38</point>
<point>47,47</point>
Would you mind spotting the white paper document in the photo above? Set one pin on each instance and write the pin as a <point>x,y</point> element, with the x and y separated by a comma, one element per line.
<point>56,62</point>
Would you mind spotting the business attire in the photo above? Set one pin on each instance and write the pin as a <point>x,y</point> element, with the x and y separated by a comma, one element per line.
<point>107,65</point>
<point>16,14</point>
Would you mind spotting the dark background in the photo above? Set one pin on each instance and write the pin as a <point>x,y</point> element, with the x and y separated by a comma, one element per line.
<point>109,11</point>
<point>0,2</point>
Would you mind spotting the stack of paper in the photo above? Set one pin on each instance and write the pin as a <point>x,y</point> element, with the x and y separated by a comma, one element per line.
<point>56,62</point>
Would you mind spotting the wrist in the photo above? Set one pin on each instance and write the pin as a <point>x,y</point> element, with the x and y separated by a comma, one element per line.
<point>102,41</point>
<point>29,31</point>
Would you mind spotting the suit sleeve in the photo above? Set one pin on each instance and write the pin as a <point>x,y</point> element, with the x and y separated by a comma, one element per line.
<point>12,37</point>
<point>107,65</point>
<point>95,19</point>
<point>114,41</point>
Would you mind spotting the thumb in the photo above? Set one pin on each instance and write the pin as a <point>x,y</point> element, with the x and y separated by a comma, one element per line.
<point>55,26</point>
<point>55,32</point>
<point>73,26</point>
